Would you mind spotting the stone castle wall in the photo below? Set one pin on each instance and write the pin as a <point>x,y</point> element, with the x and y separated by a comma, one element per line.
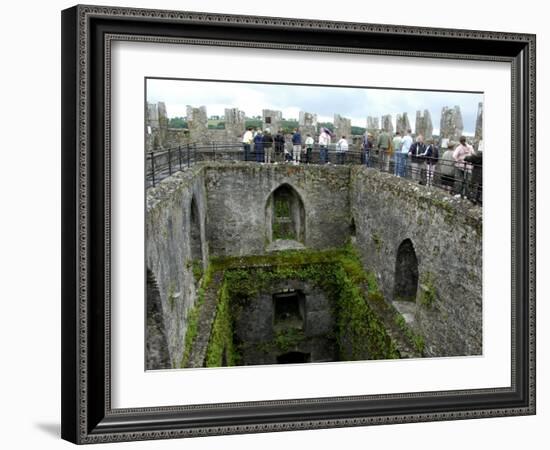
<point>238,195</point>
<point>446,235</point>
<point>170,235</point>
<point>231,220</point>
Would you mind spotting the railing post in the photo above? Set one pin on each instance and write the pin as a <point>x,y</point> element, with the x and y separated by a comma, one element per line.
<point>153,167</point>
<point>170,161</point>
<point>179,155</point>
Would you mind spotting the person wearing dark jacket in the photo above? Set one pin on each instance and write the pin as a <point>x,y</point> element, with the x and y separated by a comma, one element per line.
<point>279,140</point>
<point>431,156</point>
<point>296,146</point>
<point>475,191</point>
<point>416,154</point>
<point>259,147</point>
<point>268,146</point>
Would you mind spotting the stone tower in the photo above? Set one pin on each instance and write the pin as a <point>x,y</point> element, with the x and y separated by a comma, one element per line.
<point>373,124</point>
<point>197,122</point>
<point>479,123</point>
<point>271,119</point>
<point>307,123</point>
<point>342,126</point>
<point>402,123</point>
<point>387,124</point>
<point>423,125</point>
<point>234,123</point>
<point>451,126</point>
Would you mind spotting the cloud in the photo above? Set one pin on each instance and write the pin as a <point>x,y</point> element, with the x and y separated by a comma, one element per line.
<point>325,101</point>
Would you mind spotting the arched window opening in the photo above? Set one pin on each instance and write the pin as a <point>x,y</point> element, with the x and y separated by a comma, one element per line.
<point>285,215</point>
<point>406,272</point>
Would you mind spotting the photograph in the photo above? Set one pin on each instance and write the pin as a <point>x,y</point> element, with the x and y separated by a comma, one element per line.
<point>281,220</point>
<point>301,223</point>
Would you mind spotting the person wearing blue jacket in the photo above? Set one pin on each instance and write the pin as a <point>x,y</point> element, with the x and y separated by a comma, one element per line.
<point>259,147</point>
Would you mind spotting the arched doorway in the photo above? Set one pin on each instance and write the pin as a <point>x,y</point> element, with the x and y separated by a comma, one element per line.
<point>406,272</point>
<point>285,215</point>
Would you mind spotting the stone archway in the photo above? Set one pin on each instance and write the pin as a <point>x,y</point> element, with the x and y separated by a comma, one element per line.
<point>406,272</point>
<point>285,215</point>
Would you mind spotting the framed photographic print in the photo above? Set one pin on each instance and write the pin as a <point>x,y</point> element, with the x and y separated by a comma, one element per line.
<point>277,224</point>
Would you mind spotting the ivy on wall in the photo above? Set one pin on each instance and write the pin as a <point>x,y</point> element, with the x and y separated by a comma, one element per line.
<point>359,333</point>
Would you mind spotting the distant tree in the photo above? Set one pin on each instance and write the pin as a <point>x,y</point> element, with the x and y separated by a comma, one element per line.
<point>328,125</point>
<point>358,130</point>
<point>221,125</point>
<point>254,123</point>
<point>177,122</point>
<point>288,125</point>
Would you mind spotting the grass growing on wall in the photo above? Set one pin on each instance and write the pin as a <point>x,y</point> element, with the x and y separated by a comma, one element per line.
<point>221,338</point>
<point>193,316</point>
<point>359,333</point>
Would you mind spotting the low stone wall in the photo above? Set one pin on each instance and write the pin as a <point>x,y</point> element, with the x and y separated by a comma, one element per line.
<point>446,235</point>
<point>174,242</point>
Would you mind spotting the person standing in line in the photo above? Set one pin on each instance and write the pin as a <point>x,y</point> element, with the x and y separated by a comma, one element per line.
<point>268,146</point>
<point>247,141</point>
<point>396,144</point>
<point>447,168</point>
<point>406,144</point>
<point>296,146</point>
<point>383,143</point>
<point>341,150</point>
<point>369,150</point>
<point>476,159</point>
<point>259,147</point>
<point>288,148</point>
<point>431,156</point>
<point>309,148</point>
<point>279,140</point>
<point>324,142</point>
<point>463,168</point>
<point>415,152</point>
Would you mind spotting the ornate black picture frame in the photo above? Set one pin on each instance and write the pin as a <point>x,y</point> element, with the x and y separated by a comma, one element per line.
<point>87,35</point>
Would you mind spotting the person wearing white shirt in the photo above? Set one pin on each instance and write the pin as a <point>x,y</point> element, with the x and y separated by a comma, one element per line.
<point>324,142</point>
<point>247,141</point>
<point>309,148</point>
<point>341,149</point>
<point>406,143</point>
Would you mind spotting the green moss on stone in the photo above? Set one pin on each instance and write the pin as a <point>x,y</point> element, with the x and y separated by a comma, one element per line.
<point>428,294</point>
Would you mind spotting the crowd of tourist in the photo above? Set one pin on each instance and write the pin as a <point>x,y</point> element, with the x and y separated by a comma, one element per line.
<point>457,165</point>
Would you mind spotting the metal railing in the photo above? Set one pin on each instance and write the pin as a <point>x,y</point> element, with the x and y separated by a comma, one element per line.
<point>465,179</point>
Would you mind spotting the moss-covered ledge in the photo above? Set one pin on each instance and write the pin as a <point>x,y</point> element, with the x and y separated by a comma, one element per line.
<point>361,331</point>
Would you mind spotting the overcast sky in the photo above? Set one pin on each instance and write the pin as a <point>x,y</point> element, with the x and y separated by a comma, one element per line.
<point>354,103</point>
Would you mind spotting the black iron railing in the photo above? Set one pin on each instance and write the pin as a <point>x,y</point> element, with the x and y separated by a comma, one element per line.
<point>460,179</point>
